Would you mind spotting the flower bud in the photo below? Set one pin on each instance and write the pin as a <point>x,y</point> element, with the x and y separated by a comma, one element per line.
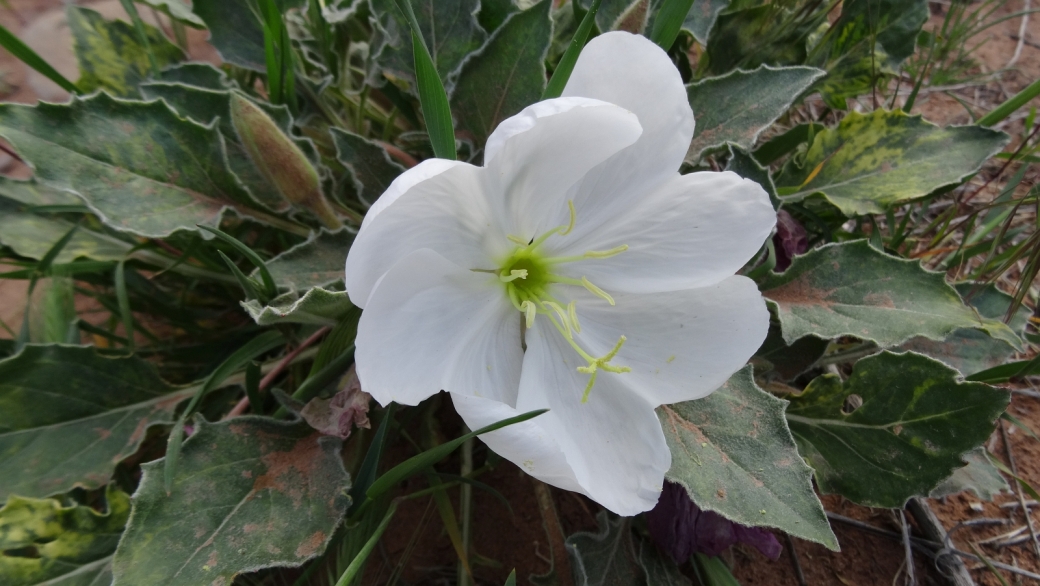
<point>280,160</point>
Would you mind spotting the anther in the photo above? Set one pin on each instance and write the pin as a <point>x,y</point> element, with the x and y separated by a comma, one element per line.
<point>530,311</point>
<point>574,215</point>
<point>597,291</point>
<point>606,253</point>
<point>517,240</point>
<point>564,318</point>
<point>573,313</point>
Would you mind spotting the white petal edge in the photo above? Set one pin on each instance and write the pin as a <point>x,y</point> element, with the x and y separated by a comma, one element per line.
<point>440,206</point>
<point>692,231</point>
<point>681,345</point>
<point>634,73</point>
<point>527,444</point>
<point>613,443</point>
<point>535,158</point>
<point>433,326</point>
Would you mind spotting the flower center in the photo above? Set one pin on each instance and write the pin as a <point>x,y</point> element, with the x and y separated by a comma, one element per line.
<point>527,274</point>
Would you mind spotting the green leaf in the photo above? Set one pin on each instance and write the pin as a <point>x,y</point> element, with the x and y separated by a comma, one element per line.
<point>612,13</point>
<point>789,360</point>
<point>369,165</point>
<point>315,263</point>
<point>261,267</point>
<point>110,54</point>
<point>317,306</point>
<point>494,12</point>
<point>234,29</point>
<point>980,476</point>
<point>271,495</point>
<point>745,165</point>
<point>206,106</point>
<point>616,557</point>
<point>915,423</point>
<point>873,161</point>
<point>734,454</point>
<point>449,27</point>
<point>702,18</point>
<point>507,75</point>
<point>196,73</point>
<point>749,36</point>
<point>177,10</point>
<point>73,544</point>
<point>158,174</point>
<point>851,289</point>
<point>668,20</point>
<point>68,416</point>
<point>972,351</point>
<point>738,106</point>
<point>565,67</point>
<point>32,193</point>
<point>31,236</point>
<point>869,37</point>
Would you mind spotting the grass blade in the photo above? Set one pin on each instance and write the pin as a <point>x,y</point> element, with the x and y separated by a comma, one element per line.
<point>124,305</point>
<point>432,97</point>
<point>30,58</point>
<point>142,36</point>
<point>1014,103</point>
<point>269,286</point>
<point>570,57</point>
<point>669,21</point>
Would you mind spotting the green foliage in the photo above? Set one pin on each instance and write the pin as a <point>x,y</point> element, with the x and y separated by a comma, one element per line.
<point>702,16</point>
<point>737,107</point>
<point>91,414</point>
<point>979,476</point>
<point>733,453</point>
<point>315,263</point>
<point>71,147</point>
<point>178,10</point>
<point>73,544</point>
<point>852,289</point>
<point>317,306</point>
<point>507,75</point>
<point>617,556</point>
<point>915,423</point>
<point>272,495</point>
<point>871,162</point>
<point>370,167</point>
<point>111,56</point>
<point>235,30</point>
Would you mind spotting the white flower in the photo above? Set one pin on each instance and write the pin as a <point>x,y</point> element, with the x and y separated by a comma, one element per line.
<point>579,240</point>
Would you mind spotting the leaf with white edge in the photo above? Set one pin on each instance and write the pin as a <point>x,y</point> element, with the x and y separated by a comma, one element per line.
<point>234,29</point>
<point>507,75</point>
<point>612,13</point>
<point>196,73</point>
<point>315,263</point>
<point>738,106</point>
<point>317,306</point>
<point>615,556</point>
<point>733,453</point>
<point>32,236</point>
<point>915,423</point>
<point>206,106</point>
<point>369,164</point>
<point>971,351</point>
<point>36,194</point>
<point>873,161</point>
<point>742,163</point>
<point>177,10</point>
<point>73,544</point>
<point>110,54</point>
<point>851,289</point>
<point>69,415</point>
<point>271,495</point>
<point>449,27</point>
<point>138,165</point>
<point>702,18</point>
<point>979,476</point>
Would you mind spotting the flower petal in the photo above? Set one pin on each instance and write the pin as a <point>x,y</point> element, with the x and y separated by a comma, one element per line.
<point>634,73</point>
<point>692,231</point>
<point>527,443</point>
<point>613,442</point>
<point>432,326</point>
<point>535,157</point>
<point>681,345</point>
<point>440,206</point>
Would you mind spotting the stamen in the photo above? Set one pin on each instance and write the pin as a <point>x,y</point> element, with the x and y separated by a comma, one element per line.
<point>570,224</point>
<point>530,311</point>
<point>617,347</point>
<point>514,275</point>
<point>517,240</point>
<point>604,362</point>
<point>573,313</point>
<point>606,253</point>
<point>564,318</point>
<point>597,291</point>
<point>588,387</point>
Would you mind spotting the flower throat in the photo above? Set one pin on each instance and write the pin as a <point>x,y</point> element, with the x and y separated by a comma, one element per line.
<point>527,274</point>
